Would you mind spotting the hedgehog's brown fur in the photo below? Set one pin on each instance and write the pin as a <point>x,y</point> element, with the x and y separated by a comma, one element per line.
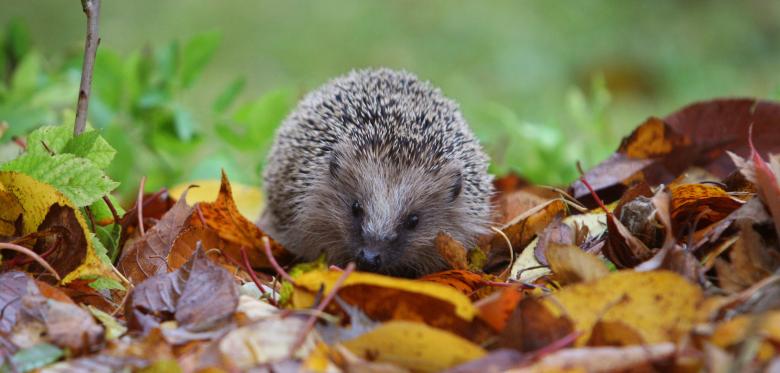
<point>395,146</point>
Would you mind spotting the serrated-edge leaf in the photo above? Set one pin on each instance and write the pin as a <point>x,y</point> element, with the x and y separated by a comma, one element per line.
<point>103,283</point>
<point>77,178</point>
<point>92,146</point>
<point>55,138</point>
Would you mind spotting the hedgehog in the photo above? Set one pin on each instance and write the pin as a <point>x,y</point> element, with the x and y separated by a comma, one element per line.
<point>369,168</point>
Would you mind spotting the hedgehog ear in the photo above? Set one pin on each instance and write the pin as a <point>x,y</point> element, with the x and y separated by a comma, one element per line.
<point>456,186</point>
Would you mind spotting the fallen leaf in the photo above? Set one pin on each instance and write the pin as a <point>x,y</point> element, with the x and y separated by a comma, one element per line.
<point>495,309</point>
<point>533,326</point>
<point>519,232</point>
<point>385,298</point>
<point>43,207</point>
<point>63,324</point>
<point>200,296</point>
<point>265,341</point>
<point>571,265</point>
<point>14,285</point>
<point>696,135</point>
<point>614,333</point>
<point>143,257</point>
<point>232,229</point>
<point>451,250</point>
<point>414,346</point>
<point>249,200</point>
<point>765,326</point>
<point>464,281</point>
<point>660,305</point>
<point>603,359</point>
<point>700,204</point>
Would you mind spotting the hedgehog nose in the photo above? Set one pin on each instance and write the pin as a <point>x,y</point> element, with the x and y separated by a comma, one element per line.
<point>368,260</point>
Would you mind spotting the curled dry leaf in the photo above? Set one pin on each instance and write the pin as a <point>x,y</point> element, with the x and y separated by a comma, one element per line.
<point>751,259</point>
<point>495,309</point>
<point>14,285</point>
<point>43,208</point>
<point>699,204</point>
<point>143,257</point>
<point>520,231</point>
<point>222,219</point>
<point>200,296</point>
<point>414,346</point>
<point>659,305</point>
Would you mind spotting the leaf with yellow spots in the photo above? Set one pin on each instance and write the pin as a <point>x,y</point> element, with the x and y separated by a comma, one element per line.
<point>414,346</point>
<point>660,305</point>
<point>40,207</point>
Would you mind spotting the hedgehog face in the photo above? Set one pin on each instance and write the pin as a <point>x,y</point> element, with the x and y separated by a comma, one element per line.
<point>388,216</point>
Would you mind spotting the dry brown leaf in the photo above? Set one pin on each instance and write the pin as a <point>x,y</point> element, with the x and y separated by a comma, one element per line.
<point>143,257</point>
<point>451,250</point>
<point>533,326</point>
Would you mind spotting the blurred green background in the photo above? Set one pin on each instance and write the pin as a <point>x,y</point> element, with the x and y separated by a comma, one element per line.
<point>183,89</point>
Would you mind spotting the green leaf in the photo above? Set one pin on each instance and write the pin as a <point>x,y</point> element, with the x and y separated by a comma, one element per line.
<point>109,237</point>
<point>18,39</point>
<point>25,78</point>
<point>102,213</point>
<point>113,328</point>
<point>257,120</point>
<point>92,146</point>
<point>100,250</point>
<point>228,96</point>
<point>103,283</point>
<point>195,55</point>
<point>77,178</point>
<point>55,138</point>
<point>35,357</point>
<point>183,124</point>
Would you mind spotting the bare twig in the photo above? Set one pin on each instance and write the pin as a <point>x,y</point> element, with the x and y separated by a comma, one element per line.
<point>250,271</point>
<point>140,206</point>
<point>31,254</point>
<point>274,263</point>
<point>92,10</point>
<point>321,307</point>
<point>112,208</point>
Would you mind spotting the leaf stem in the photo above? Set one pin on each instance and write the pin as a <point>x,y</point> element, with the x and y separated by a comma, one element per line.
<point>31,254</point>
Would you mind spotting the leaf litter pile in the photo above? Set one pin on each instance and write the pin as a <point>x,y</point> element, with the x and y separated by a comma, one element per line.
<point>664,256</point>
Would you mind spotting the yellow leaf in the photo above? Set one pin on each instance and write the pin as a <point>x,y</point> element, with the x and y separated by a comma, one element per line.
<point>9,213</point>
<point>570,264</point>
<point>35,200</point>
<point>415,346</point>
<point>308,284</point>
<point>660,305</point>
<point>737,330</point>
<point>249,199</point>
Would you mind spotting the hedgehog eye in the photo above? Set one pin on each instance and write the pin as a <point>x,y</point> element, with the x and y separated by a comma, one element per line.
<point>357,209</point>
<point>411,221</point>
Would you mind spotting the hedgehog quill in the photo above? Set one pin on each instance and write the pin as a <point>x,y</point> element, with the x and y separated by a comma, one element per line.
<point>369,168</point>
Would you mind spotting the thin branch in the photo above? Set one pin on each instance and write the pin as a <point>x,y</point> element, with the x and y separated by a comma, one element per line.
<point>92,10</point>
<point>31,254</point>
<point>269,254</point>
<point>111,207</point>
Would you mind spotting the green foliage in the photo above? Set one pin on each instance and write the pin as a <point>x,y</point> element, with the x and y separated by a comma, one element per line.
<point>32,358</point>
